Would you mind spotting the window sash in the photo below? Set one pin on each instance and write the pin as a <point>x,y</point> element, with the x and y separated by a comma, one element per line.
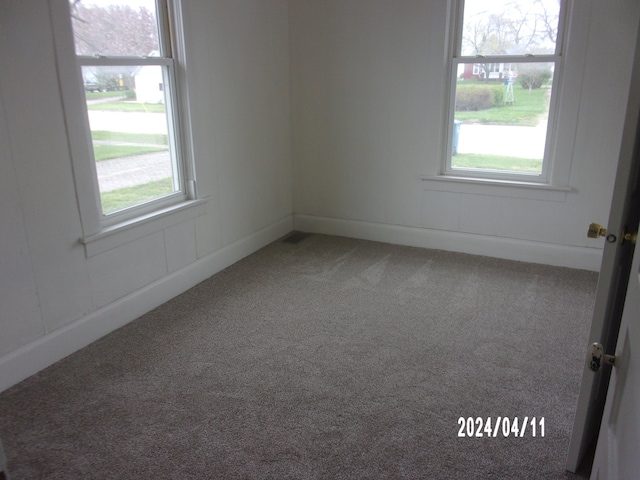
<point>109,61</point>
<point>545,174</point>
<point>456,59</point>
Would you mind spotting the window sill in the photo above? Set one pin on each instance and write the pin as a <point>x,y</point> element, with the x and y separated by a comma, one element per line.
<point>115,235</point>
<point>498,188</point>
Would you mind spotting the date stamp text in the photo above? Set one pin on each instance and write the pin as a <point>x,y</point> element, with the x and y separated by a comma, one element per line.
<point>489,427</point>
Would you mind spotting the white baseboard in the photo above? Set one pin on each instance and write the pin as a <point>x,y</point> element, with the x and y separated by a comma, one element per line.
<point>45,351</point>
<point>498,247</point>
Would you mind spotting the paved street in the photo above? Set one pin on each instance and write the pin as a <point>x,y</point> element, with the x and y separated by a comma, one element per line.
<point>523,142</point>
<point>131,122</point>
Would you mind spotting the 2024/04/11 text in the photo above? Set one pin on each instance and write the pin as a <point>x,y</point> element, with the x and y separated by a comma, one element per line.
<point>502,426</point>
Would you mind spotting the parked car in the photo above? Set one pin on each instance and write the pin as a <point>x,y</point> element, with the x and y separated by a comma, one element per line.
<point>93,87</point>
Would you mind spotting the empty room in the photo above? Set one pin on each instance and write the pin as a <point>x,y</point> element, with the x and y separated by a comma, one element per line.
<point>319,239</point>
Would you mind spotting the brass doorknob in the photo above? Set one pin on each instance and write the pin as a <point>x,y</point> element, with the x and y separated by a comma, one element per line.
<point>596,230</point>
<point>596,357</point>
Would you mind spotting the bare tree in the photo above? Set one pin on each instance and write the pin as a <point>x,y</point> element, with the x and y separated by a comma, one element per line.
<point>549,20</point>
<point>113,30</point>
<point>523,26</point>
<point>529,27</point>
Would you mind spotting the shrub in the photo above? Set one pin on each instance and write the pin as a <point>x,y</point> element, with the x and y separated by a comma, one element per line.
<point>478,98</point>
<point>474,99</point>
<point>533,76</point>
<point>498,96</point>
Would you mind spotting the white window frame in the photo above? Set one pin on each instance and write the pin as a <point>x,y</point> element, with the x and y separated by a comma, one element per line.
<point>550,168</point>
<point>103,232</point>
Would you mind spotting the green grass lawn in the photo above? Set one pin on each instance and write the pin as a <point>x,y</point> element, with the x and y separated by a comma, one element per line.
<point>496,162</point>
<point>107,152</point>
<point>130,196</point>
<point>529,106</point>
<point>157,138</point>
<point>128,107</point>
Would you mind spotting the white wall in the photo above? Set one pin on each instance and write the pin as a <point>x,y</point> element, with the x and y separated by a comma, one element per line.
<point>54,299</point>
<point>368,85</point>
<point>365,80</point>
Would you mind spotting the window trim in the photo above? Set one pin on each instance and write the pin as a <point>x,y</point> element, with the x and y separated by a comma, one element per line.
<point>552,172</point>
<point>151,216</point>
<point>166,63</point>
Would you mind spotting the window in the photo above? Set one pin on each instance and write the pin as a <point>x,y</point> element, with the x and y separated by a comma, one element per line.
<point>505,69</point>
<point>124,52</point>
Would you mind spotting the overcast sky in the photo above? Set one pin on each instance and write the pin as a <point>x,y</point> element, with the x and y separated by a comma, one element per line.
<point>150,4</point>
<point>473,7</point>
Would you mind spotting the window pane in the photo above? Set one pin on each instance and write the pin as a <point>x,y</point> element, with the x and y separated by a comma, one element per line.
<point>509,27</point>
<point>501,115</point>
<point>129,128</point>
<point>116,28</point>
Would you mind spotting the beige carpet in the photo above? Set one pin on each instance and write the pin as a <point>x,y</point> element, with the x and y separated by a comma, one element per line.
<point>329,358</point>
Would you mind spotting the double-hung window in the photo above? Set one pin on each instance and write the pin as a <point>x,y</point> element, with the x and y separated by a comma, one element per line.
<point>505,68</point>
<point>124,52</point>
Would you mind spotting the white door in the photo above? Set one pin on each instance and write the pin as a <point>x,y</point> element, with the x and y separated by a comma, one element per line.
<point>615,273</point>
<point>619,440</point>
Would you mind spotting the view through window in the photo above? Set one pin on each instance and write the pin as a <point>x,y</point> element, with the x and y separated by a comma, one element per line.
<point>123,51</point>
<point>506,58</point>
